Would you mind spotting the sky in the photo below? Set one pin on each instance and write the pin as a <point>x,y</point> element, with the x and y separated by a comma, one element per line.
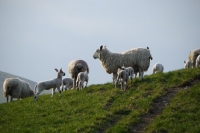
<point>38,36</point>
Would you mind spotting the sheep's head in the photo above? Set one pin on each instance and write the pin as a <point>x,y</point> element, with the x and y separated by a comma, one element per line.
<point>98,52</point>
<point>60,72</point>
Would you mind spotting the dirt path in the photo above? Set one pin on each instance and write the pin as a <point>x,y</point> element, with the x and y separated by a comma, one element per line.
<point>159,104</point>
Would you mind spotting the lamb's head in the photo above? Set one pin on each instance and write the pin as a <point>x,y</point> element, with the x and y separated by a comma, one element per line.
<point>97,53</point>
<point>60,73</point>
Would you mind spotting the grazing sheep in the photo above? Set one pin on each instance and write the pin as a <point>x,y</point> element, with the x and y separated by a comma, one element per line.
<point>122,75</point>
<point>157,68</point>
<point>75,67</point>
<point>187,64</point>
<point>50,84</point>
<point>137,58</point>
<point>67,82</point>
<point>130,71</point>
<point>193,56</point>
<point>198,61</point>
<point>16,88</point>
<point>81,78</point>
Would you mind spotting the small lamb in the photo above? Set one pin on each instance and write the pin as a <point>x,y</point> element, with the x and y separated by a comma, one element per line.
<point>50,84</point>
<point>198,61</point>
<point>157,68</point>
<point>187,64</point>
<point>130,72</point>
<point>122,75</point>
<point>81,78</point>
<point>68,83</point>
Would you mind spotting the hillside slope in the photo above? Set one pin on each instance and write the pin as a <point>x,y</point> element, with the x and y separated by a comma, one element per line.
<point>149,105</point>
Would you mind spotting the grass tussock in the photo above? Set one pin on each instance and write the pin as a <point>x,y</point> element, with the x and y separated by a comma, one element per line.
<point>102,108</point>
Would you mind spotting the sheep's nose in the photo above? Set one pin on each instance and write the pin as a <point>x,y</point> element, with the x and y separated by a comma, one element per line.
<point>63,74</point>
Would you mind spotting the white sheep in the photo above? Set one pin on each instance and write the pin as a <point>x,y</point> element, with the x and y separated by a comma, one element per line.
<point>137,58</point>
<point>158,68</point>
<point>67,82</point>
<point>50,84</point>
<point>122,76</point>
<point>193,56</point>
<point>75,67</point>
<point>16,88</point>
<point>198,61</point>
<point>187,64</point>
<point>81,78</point>
<point>130,72</point>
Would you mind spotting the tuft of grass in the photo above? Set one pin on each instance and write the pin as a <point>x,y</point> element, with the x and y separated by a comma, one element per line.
<point>103,108</point>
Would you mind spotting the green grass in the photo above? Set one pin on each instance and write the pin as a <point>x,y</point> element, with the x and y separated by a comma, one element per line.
<point>106,109</point>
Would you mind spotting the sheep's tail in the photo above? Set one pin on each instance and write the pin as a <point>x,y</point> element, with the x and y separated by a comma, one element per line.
<point>35,88</point>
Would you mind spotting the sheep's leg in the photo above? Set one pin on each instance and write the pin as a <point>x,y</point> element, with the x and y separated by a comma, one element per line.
<point>114,77</point>
<point>86,84</point>
<point>58,88</point>
<point>11,98</point>
<point>53,92</point>
<point>7,98</point>
<point>140,73</point>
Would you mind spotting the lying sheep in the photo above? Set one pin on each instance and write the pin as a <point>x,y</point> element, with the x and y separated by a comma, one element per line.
<point>16,88</point>
<point>122,76</point>
<point>130,72</point>
<point>67,82</point>
<point>81,78</point>
<point>137,58</point>
<point>193,56</point>
<point>198,61</point>
<point>50,84</point>
<point>75,67</point>
<point>157,68</point>
<point>187,64</point>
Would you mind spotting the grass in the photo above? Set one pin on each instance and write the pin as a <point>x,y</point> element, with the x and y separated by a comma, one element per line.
<point>102,108</point>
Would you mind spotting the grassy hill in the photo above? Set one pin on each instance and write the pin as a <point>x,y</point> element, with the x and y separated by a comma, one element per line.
<point>167,102</point>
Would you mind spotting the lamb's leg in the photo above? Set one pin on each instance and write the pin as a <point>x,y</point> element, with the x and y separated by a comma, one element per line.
<point>140,73</point>
<point>86,84</point>
<point>11,98</point>
<point>53,92</point>
<point>58,88</point>
<point>7,98</point>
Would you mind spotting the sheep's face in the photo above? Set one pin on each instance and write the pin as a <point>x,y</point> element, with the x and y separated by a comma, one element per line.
<point>96,54</point>
<point>60,73</point>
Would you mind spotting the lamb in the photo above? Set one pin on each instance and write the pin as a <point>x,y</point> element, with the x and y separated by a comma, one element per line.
<point>137,58</point>
<point>46,85</point>
<point>122,75</point>
<point>187,64</point>
<point>130,71</point>
<point>16,88</point>
<point>193,56</point>
<point>67,82</point>
<point>158,68</point>
<point>75,67</point>
<point>198,61</point>
<point>81,78</point>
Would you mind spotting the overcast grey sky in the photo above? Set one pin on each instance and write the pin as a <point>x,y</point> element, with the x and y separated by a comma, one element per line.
<point>38,36</point>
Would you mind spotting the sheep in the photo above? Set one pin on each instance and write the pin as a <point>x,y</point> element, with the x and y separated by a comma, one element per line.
<point>67,82</point>
<point>122,75</point>
<point>16,88</point>
<point>137,58</point>
<point>75,67</point>
<point>130,71</point>
<point>193,56</point>
<point>198,61</point>
<point>158,68</point>
<point>81,78</point>
<point>46,85</point>
<point>187,64</point>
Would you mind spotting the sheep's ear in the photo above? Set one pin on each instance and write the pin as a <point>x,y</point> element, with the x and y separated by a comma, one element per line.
<point>184,62</point>
<point>147,47</point>
<point>56,70</point>
<point>101,47</point>
<point>60,69</point>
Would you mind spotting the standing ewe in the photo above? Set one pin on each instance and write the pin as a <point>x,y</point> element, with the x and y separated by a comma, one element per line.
<point>81,78</point>
<point>75,67</point>
<point>130,71</point>
<point>187,64</point>
<point>122,75</point>
<point>157,68</point>
<point>193,56</point>
<point>46,85</point>
<point>16,88</point>
<point>67,82</point>
<point>137,58</point>
<point>198,61</point>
